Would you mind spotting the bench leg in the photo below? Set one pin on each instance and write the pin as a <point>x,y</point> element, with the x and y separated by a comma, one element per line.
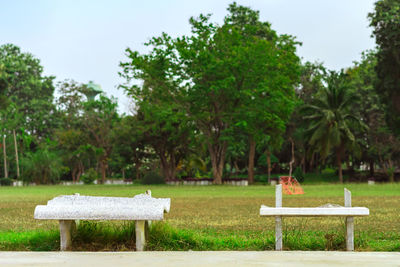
<point>141,230</point>
<point>278,233</point>
<point>66,229</point>
<point>349,233</point>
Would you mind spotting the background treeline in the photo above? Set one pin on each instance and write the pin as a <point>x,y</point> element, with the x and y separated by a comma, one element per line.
<point>226,101</point>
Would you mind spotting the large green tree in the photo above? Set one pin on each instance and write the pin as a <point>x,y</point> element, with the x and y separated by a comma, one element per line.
<point>385,20</point>
<point>331,120</point>
<point>99,119</point>
<point>160,116</point>
<point>238,74</point>
<point>312,78</point>
<point>378,143</point>
<point>130,148</point>
<point>22,79</point>
<point>267,72</point>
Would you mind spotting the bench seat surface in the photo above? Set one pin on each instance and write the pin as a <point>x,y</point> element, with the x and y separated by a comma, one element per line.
<point>335,211</point>
<point>76,207</point>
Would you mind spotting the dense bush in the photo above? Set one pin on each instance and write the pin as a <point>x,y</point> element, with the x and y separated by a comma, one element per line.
<point>298,174</point>
<point>90,176</point>
<point>5,181</point>
<point>42,167</point>
<point>152,178</point>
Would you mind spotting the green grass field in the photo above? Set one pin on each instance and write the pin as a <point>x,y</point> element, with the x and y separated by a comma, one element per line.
<point>209,218</point>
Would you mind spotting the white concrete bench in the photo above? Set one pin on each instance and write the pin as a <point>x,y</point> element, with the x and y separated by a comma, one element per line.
<point>69,208</point>
<point>347,211</point>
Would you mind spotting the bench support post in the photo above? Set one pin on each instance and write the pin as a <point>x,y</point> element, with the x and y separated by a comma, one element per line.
<point>141,230</point>
<point>349,222</point>
<point>278,219</point>
<point>66,229</point>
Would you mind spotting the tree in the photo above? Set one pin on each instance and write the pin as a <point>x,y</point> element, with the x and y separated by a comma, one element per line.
<point>3,86</point>
<point>99,119</point>
<point>331,121</point>
<point>160,115</point>
<point>265,79</point>
<point>378,143</point>
<point>42,166</point>
<point>129,144</point>
<point>386,20</point>
<point>218,71</point>
<point>362,79</point>
<point>71,138</point>
<point>21,76</point>
<point>295,148</point>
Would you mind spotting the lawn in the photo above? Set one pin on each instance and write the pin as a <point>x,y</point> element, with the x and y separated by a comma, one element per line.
<point>209,218</point>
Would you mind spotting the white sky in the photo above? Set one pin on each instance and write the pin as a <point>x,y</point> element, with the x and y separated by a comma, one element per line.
<point>85,39</point>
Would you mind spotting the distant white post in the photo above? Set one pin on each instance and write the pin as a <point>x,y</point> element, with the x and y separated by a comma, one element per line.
<point>349,222</point>
<point>278,219</point>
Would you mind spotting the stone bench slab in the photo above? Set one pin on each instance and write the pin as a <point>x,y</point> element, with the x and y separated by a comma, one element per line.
<point>68,208</point>
<point>140,199</point>
<point>111,212</point>
<point>76,207</point>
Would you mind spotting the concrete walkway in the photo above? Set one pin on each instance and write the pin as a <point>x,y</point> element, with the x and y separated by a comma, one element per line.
<point>200,258</point>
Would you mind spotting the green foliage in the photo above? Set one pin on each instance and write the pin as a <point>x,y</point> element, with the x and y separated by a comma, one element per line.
<point>238,75</point>
<point>41,167</point>
<point>331,121</point>
<point>30,241</point>
<point>262,160</point>
<point>94,236</point>
<point>6,181</point>
<point>328,170</point>
<point>299,175</point>
<point>29,90</point>
<point>385,21</point>
<point>90,176</point>
<point>99,119</point>
<point>152,177</point>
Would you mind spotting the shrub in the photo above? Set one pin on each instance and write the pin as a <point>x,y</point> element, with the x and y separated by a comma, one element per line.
<point>5,181</point>
<point>90,176</point>
<point>152,178</point>
<point>42,167</point>
<point>328,171</point>
<point>298,174</point>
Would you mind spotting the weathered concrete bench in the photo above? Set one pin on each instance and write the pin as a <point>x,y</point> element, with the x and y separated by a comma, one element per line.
<point>141,208</point>
<point>347,211</point>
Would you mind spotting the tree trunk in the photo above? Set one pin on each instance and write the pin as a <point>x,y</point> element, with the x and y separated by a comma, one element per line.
<point>348,167</point>
<point>217,155</point>
<point>5,157</point>
<point>73,173</point>
<point>16,153</point>
<point>252,154</point>
<point>371,168</point>
<point>292,160</point>
<point>339,151</point>
<point>269,165</point>
<point>103,168</point>
<point>236,167</point>
<point>81,170</point>
<point>391,171</point>
<point>168,166</point>
<point>311,163</point>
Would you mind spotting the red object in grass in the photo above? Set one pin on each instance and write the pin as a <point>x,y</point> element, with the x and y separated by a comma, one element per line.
<point>290,185</point>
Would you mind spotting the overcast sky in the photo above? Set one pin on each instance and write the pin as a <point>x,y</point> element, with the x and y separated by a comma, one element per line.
<point>85,39</point>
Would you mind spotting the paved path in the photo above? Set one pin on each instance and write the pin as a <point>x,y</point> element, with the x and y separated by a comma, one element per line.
<point>200,258</point>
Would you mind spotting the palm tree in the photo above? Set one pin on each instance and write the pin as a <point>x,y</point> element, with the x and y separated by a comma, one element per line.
<point>330,121</point>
